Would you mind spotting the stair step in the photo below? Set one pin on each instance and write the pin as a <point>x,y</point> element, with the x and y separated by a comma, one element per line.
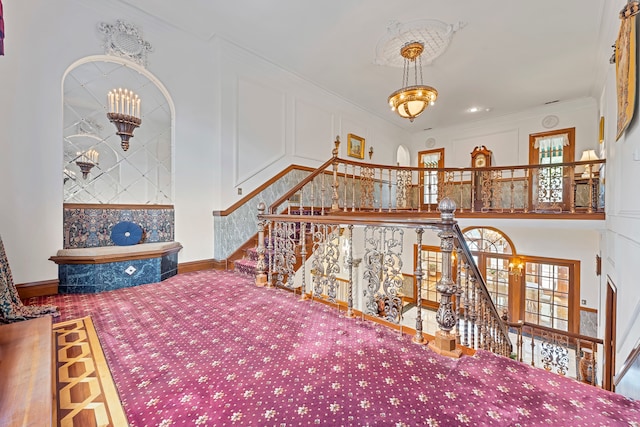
<point>252,253</point>
<point>246,266</point>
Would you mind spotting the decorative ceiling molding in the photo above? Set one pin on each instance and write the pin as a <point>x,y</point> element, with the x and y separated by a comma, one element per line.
<point>125,40</point>
<point>435,35</point>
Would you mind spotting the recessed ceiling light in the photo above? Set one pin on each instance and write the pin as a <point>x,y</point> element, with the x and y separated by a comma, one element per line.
<point>477,109</point>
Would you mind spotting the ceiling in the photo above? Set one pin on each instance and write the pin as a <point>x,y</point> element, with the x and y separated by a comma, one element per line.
<point>507,56</point>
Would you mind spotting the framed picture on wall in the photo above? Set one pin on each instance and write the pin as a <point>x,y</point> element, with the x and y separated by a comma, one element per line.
<point>355,146</point>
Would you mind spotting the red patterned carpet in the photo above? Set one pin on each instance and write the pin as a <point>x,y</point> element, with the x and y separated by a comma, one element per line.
<point>211,349</point>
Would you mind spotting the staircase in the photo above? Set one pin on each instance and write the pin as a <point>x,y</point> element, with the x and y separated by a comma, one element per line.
<point>248,264</point>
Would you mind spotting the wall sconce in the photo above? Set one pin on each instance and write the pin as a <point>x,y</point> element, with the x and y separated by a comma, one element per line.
<point>124,113</point>
<point>370,152</point>
<point>86,161</point>
<point>515,268</point>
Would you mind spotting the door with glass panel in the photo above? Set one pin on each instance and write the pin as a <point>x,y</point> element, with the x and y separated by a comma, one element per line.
<point>493,252</point>
<point>431,265</point>
<point>548,294</point>
<point>497,279</point>
<point>550,186</point>
<point>430,180</point>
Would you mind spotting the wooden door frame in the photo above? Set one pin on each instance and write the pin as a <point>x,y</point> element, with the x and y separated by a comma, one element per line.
<point>573,314</point>
<point>421,175</point>
<point>609,345</point>
<point>568,155</point>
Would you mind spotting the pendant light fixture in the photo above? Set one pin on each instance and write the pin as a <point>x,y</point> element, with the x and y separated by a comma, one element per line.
<point>410,101</point>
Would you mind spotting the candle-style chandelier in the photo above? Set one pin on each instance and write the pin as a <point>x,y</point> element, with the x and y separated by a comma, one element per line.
<point>86,161</point>
<point>124,113</point>
<point>410,101</point>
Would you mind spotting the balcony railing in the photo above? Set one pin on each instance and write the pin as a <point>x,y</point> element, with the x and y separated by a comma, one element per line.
<point>351,186</point>
<point>562,352</point>
<point>466,314</point>
<point>313,232</point>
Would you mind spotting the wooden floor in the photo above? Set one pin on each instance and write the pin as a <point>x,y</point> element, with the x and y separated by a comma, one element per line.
<point>85,394</point>
<point>25,373</point>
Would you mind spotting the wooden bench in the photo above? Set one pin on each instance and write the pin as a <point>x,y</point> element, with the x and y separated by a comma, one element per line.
<point>26,389</point>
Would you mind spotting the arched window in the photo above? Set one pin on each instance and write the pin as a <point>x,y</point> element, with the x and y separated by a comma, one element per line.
<point>539,290</point>
<point>493,252</point>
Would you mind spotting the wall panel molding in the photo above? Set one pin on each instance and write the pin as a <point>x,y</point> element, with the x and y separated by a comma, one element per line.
<point>260,128</point>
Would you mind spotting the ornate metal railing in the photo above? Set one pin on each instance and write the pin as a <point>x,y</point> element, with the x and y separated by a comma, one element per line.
<point>565,353</point>
<point>466,314</point>
<point>352,186</point>
<point>481,326</point>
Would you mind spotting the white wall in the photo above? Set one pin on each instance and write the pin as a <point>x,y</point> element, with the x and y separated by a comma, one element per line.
<point>227,132</point>
<point>621,243</point>
<point>508,135</point>
<point>272,118</point>
<point>508,138</point>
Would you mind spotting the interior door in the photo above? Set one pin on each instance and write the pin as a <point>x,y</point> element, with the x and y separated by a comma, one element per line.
<point>550,186</point>
<point>609,336</point>
<point>430,181</point>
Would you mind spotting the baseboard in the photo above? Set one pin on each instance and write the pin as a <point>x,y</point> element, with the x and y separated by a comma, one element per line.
<point>37,289</point>
<point>205,264</point>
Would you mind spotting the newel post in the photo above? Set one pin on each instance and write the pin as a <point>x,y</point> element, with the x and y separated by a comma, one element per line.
<point>261,276</point>
<point>445,342</point>
<point>334,185</point>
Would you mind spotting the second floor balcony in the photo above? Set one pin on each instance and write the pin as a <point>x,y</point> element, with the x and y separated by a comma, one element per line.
<point>572,190</point>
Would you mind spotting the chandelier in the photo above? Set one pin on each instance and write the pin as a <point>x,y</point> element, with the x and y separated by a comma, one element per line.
<point>410,101</point>
<point>86,161</point>
<point>124,113</point>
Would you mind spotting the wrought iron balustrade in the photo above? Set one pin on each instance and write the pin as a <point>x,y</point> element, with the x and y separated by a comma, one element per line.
<point>564,353</point>
<point>466,314</point>
<point>352,186</point>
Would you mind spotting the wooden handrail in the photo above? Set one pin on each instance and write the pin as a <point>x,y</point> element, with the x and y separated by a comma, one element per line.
<point>294,190</point>
<point>628,363</point>
<point>465,169</point>
<point>259,189</point>
<point>573,335</point>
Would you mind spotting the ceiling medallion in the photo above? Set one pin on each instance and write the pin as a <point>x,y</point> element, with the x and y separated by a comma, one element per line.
<point>410,101</point>
<point>434,35</point>
<point>125,40</point>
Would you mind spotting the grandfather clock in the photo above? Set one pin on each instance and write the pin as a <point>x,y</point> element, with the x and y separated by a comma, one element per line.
<point>480,158</point>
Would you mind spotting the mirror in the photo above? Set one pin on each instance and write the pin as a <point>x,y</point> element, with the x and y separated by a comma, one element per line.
<point>140,175</point>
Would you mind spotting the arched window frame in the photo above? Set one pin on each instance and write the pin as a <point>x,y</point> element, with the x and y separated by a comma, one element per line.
<point>526,288</point>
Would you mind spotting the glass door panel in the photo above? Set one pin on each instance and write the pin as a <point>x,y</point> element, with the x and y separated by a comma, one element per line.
<point>547,295</point>
<point>497,278</point>
<point>430,180</point>
<point>550,185</point>
<point>431,264</point>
